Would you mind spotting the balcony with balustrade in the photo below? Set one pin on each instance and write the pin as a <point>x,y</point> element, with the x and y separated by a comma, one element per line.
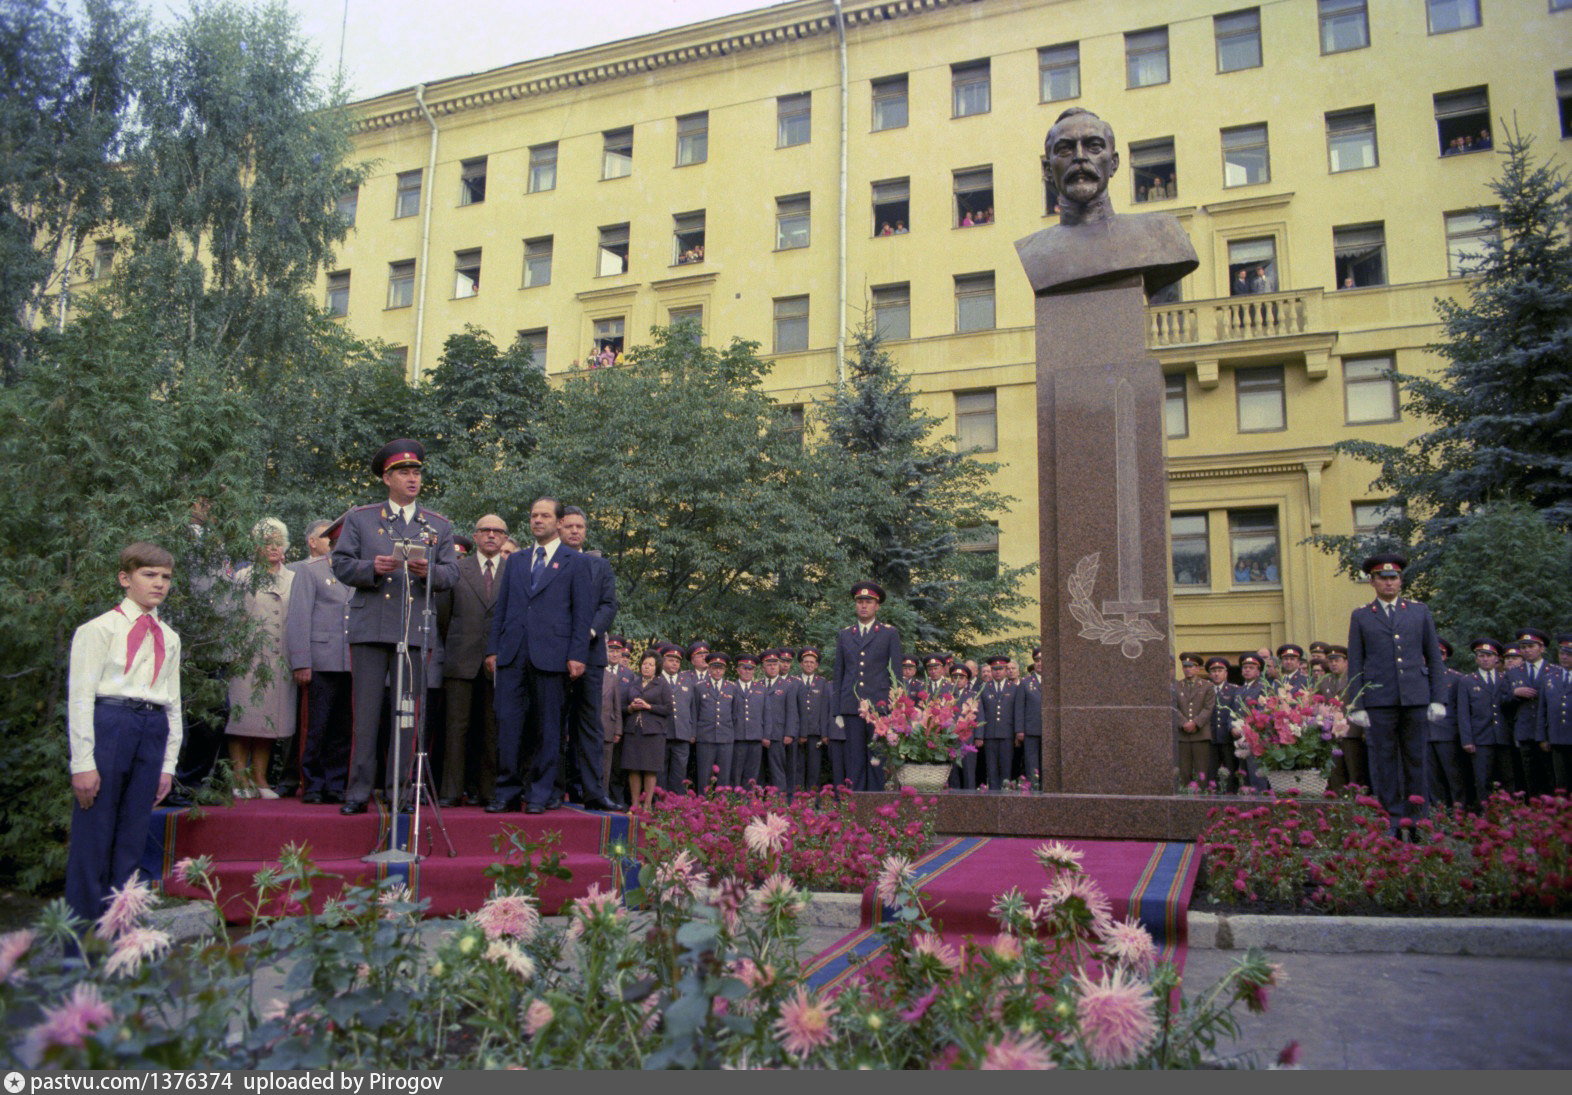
<point>1275,326</point>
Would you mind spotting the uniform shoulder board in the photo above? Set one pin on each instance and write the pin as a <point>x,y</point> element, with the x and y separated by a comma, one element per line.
<point>434,513</point>
<point>848,627</point>
<point>371,505</point>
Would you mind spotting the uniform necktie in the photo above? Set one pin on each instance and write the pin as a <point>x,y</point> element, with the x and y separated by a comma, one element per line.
<point>539,566</point>
<point>487,570</point>
<point>139,631</point>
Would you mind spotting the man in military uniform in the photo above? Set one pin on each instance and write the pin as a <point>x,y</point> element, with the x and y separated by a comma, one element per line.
<point>909,676</point>
<point>934,683</point>
<point>716,699</point>
<point>1291,660</point>
<point>1349,766</point>
<point>747,752</point>
<point>316,642</point>
<point>810,722</point>
<point>684,716</point>
<point>1253,688</point>
<point>1029,720</point>
<point>1396,668</point>
<point>1221,760</point>
<point>778,701</point>
<point>867,656</point>
<point>1451,782</point>
<point>1194,698</point>
<point>1482,730</point>
<point>1555,714</point>
<point>386,610</point>
<point>996,722</point>
<point>1521,707</point>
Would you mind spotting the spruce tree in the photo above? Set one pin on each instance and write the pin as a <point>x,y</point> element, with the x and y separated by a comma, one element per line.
<point>1499,413</point>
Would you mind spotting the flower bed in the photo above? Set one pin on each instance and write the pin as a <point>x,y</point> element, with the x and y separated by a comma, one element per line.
<point>1515,857</point>
<point>825,847</point>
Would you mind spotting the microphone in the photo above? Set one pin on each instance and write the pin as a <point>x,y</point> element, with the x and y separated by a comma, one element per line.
<point>431,532</point>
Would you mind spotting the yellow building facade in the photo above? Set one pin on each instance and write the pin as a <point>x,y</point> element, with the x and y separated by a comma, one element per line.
<point>779,174</point>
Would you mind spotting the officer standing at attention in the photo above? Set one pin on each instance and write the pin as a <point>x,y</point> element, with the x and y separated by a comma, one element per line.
<point>867,658</point>
<point>385,610</point>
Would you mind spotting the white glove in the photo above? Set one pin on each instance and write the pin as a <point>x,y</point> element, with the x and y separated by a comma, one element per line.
<point>1437,712</point>
<point>1360,719</point>
<point>840,722</point>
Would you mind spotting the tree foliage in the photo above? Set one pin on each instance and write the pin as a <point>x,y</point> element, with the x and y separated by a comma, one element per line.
<point>1499,413</point>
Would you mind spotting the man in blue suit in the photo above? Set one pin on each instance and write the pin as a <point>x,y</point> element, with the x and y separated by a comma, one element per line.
<point>867,659</point>
<point>540,640</point>
<point>1396,669</point>
<point>581,766</point>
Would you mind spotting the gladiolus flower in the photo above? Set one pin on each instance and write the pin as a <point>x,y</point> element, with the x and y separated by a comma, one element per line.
<point>804,1024</point>
<point>1117,1017</point>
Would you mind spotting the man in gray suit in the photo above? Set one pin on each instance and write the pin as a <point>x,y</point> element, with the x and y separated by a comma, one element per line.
<point>385,613</point>
<point>469,760</point>
<point>316,642</point>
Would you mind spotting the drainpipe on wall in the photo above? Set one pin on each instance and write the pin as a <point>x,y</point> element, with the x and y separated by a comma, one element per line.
<point>422,272</point>
<point>840,255</point>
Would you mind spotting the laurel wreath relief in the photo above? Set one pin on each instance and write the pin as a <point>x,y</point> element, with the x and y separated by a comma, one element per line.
<point>1128,632</point>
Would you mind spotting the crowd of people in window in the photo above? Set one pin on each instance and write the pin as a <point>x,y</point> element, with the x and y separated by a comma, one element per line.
<point>982,216</point>
<point>692,254</point>
<point>897,229</point>
<point>1160,190</point>
<point>1250,280</point>
<point>1457,146</point>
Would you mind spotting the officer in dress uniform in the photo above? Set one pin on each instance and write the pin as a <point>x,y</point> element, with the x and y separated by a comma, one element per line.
<point>867,657</point>
<point>1253,687</point>
<point>1194,699</point>
<point>1451,781</point>
<point>385,610</point>
<point>716,699</point>
<point>1522,704</point>
<point>1222,760</point>
<point>1555,713</point>
<point>316,641</point>
<point>1395,667</point>
<point>1349,766</point>
<point>684,718</point>
<point>748,748</point>
<point>811,723</point>
<point>1482,730</point>
<point>1029,720</point>
<point>778,699</point>
<point>910,677</point>
<point>1291,663</point>
<point>934,682</point>
<point>996,722</point>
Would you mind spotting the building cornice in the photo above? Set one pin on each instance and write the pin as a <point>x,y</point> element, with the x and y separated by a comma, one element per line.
<point>696,42</point>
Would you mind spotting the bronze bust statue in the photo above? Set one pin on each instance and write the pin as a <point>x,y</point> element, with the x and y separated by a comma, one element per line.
<point>1091,243</point>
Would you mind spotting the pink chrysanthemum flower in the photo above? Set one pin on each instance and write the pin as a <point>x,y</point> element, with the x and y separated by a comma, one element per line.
<point>680,876</point>
<point>753,975</point>
<point>134,947</point>
<point>1058,856</point>
<point>1130,945</point>
<point>895,871</point>
<point>13,945</point>
<point>804,1025</point>
<point>127,906</point>
<point>1068,887</point>
<point>509,916</point>
<point>592,906</point>
<point>511,957</point>
<point>766,835</point>
<point>933,945</point>
<point>537,1016</point>
<point>1007,947</point>
<point>1012,1054</point>
<point>70,1023</point>
<point>1117,1016</point>
<point>777,894</point>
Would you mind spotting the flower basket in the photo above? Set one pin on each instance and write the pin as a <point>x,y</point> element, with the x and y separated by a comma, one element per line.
<point>1291,732</point>
<point>922,777</point>
<point>1309,782</point>
<point>921,730</point>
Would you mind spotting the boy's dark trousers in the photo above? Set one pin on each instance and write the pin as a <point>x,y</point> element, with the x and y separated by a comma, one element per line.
<point>108,838</point>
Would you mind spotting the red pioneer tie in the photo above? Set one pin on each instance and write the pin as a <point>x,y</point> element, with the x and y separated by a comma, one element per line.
<point>139,631</point>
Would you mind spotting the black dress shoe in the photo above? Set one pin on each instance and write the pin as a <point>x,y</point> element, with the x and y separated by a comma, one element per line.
<point>287,790</point>
<point>502,805</point>
<point>350,808</point>
<point>554,802</point>
<point>534,808</point>
<point>312,798</point>
<point>450,803</point>
<point>333,797</point>
<point>179,799</point>
<point>604,804</point>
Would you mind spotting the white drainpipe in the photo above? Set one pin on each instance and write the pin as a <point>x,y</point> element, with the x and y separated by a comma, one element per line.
<point>840,255</point>
<point>422,272</point>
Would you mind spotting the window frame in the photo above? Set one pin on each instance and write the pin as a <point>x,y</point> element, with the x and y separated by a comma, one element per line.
<point>966,77</point>
<point>1142,156</point>
<point>693,138</point>
<point>884,90</point>
<point>542,158</point>
<point>1141,44</point>
<point>534,254</point>
<point>466,273</point>
<point>685,225</point>
<point>616,331</point>
<point>1250,380</point>
<point>1176,385</point>
<point>784,311</point>
<point>1386,379</point>
<point>1245,140</point>
<point>470,172</point>
<point>1451,107</point>
<point>972,180</point>
<point>893,301</point>
<point>787,211</point>
<point>401,275</point>
<point>980,421</point>
<point>1347,242</point>
<point>794,421</point>
<point>103,262</point>
<point>1237,530</point>
<point>1052,60</point>
<point>350,200</point>
<point>1328,11</point>
<point>528,335</point>
<point>792,111</point>
<point>891,194</point>
<point>336,299</point>
<point>616,152</point>
<point>1343,124</point>
<point>606,240</point>
<point>1246,26</point>
<point>1488,227</point>
<point>1562,79</point>
<point>1431,7</point>
<point>1270,263</point>
<point>407,193</point>
<point>976,287</point>
<point>1176,538</point>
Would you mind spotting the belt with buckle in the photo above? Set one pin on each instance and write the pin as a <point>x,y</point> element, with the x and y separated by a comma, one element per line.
<point>135,705</point>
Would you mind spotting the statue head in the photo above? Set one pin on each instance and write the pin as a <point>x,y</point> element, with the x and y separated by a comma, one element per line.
<point>1081,159</point>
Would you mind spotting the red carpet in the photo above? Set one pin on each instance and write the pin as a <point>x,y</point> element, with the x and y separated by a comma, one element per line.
<point>960,879</point>
<point>248,836</point>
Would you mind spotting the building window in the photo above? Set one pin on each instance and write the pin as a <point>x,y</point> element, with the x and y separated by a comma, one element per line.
<point>973,197</point>
<point>1252,543</point>
<point>1564,98</point>
<point>1152,169</point>
<point>1468,239</point>
<point>472,181</point>
<point>348,203</point>
<point>889,103</point>
<point>612,257</point>
<point>542,167</point>
<point>1245,157</point>
<point>338,293</point>
<point>1146,57</point>
<point>608,341</point>
<point>466,273</point>
<point>535,339</point>
<point>973,302</point>
<point>407,201</point>
<point>791,222</point>
<point>1449,15</point>
<point>103,259</point>
<point>892,207</point>
<point>970,92</point>
<point>690,316</point>
<point>1059,72</point>
<point>693,138</point>
<point>980,545</point>
<point>397,357</point>
<point>977,421</point>
<point>537,261</point>
<point>794,422</point>
<point>1176,405</point>
<point>1192,550</point>
<point>791,324</point>
<point>617,153</point>
<point>1370,390</point>
<point>687,238</point>
<point>1359,253</point>
<point>1370,516</point>
<point>1252,266</point>
<point>1238,37</point>
<point>892,310</point>
<point>401,284</point>
<point>1463,121</point>
<point>1351,139</point>
<point>793,119</point>
<point>1262,404</point>
<point>1345,24</point>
